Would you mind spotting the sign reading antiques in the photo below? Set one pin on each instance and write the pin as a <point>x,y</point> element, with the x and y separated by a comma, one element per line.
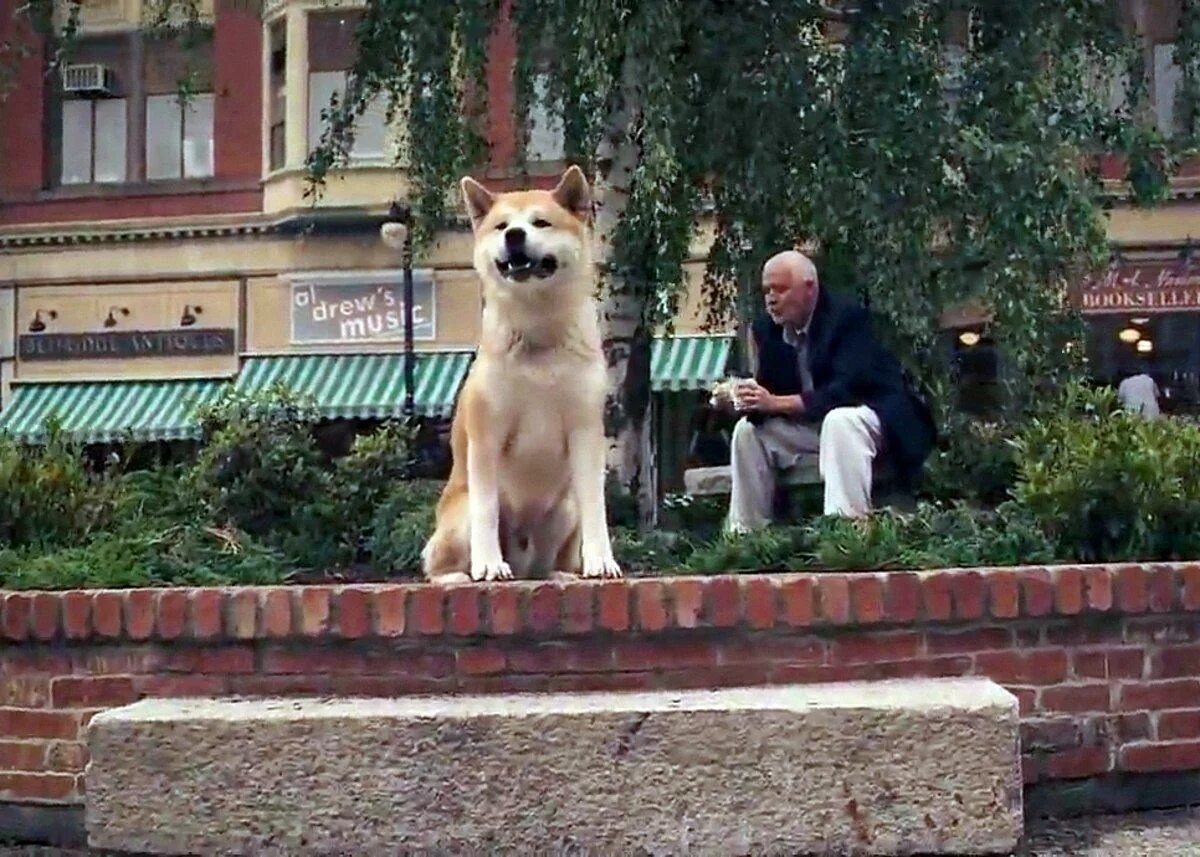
<point>121,344</point>
<point>360,307</point>
<point>1158,286</point>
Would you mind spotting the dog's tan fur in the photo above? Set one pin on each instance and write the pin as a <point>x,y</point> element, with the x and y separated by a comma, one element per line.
<point>526,489</point>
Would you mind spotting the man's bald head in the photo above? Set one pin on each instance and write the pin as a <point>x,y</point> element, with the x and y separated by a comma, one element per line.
<point>789,282</point>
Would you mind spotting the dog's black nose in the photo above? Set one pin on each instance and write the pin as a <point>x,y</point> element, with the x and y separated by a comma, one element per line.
<point>514,238</point>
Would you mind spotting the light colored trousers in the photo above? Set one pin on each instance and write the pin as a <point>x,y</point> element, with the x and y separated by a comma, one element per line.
<point>846,446</point>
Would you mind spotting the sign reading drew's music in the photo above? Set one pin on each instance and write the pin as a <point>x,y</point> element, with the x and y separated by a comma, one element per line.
<point>1160,286</point>
<point>359,307</point>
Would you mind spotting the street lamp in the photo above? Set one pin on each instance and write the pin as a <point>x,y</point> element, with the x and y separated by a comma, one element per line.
<point>397,234</point>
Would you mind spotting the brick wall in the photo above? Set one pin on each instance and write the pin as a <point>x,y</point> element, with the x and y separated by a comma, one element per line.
<point>1104,659</point>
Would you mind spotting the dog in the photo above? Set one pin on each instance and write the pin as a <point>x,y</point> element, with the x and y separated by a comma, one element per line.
<point>525,495</point>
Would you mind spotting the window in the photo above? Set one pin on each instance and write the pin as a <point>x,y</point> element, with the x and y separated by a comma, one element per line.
<point>93,140</point>
<point>546,138</point>
<point>179,137</point>
<point>277,98</point>
<point>332,51</point>
<point>1167,77</point>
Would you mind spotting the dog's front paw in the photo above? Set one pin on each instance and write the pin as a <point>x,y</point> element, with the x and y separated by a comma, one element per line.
<point>491,570</point>
<point>601,565</point>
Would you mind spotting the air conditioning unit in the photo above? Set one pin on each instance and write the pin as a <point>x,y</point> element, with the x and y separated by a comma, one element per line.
<point>87,78</point>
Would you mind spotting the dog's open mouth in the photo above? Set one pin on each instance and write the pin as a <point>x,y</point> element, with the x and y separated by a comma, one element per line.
<point>520,267</point>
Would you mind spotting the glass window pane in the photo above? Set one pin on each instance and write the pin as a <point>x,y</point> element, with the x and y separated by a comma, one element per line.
<point>198,137</point>
<point>76,142</point>
<point>163,135</point>
<point>321,87</point>
<point>370,133</point>
<point>546,139</point>
<point>1167,77</point>
<point>110,139</point>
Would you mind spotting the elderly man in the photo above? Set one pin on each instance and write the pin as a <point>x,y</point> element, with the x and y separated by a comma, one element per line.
<point>823,386</point>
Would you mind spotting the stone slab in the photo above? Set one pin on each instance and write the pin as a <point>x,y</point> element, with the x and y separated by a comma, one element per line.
<point>896,767</point>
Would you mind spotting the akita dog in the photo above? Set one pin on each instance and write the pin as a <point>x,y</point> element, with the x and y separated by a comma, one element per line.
<point>526,488</point>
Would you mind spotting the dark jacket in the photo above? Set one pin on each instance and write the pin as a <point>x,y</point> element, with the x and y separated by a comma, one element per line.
<point>849,366</point>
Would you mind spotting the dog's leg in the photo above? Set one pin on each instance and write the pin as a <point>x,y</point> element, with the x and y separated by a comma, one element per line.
<point>483,503</point>
<point>586,450</point>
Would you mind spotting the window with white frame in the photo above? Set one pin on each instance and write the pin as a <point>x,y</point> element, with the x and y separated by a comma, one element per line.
<point>179,137</point>
<point>331,54</point>
<point>93,140</point>
<point>547,141</point>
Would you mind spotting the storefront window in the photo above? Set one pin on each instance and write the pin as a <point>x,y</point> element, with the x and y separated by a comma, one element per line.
<point>1165,346</point>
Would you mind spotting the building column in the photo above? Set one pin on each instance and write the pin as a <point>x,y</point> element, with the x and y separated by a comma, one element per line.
<point>296,79</point>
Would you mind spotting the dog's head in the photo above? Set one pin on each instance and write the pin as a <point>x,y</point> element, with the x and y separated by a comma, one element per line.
<point>532,245</point>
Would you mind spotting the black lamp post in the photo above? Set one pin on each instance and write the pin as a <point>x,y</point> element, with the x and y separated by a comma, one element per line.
<point>402,213</point>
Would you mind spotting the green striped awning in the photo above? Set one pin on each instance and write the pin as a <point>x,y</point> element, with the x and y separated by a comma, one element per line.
<point>366,386</point>
<point>688,362</point>
<point>100,411</point>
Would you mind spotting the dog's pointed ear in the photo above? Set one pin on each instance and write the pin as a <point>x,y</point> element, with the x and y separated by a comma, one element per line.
<point>478,200</point>
<point>573,193</point>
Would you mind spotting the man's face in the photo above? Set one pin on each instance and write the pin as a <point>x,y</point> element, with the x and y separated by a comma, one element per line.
<point>789,296</point>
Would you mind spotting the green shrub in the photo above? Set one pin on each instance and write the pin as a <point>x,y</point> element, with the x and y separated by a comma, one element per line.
<point>975,461</point>
<point>401,525</point>
<point>1108,485</point>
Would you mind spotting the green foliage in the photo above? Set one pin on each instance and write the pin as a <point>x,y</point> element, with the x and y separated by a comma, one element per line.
<point>974,462</point>
<point>401,525</point>
<point>1109,485</point>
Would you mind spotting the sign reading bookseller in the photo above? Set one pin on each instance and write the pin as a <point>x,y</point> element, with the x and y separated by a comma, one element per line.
<point>1158,286</point>
<point>124,344</point>
<point>360,307</point>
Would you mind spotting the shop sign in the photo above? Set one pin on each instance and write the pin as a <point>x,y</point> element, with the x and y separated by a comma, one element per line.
<point>124,344</point>
<point>1163,286</point>
<point>362,307</point>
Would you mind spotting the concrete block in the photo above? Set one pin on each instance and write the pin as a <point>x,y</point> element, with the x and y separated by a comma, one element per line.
<point>897,767</point>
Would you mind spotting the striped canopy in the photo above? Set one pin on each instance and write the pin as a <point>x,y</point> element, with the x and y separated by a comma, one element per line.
<point>688,362</point>
<point>365,386</point>
<point>103,411</point>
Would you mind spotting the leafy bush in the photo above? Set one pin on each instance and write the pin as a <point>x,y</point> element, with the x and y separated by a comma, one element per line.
<point>975,461</point>
<point>1109,485</point>
<point>401,525</point>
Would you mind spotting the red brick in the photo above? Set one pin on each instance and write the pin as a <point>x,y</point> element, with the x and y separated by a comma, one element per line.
<point>389,610</point>
<point>139,610</point>
<point>1159,695</point>
<point>1176,662</point>
<point>1038,591</point>
<point>699,678</point>
<point>796,596</point>
<point>118,660</point>
<point>77,615</point>
<point>1090,664</point>
<point>722,607</point>
<point>558,657</point>
<point>1098,583</point>
<point>503,609</point>
<point>17,609</point>
<point>1173,725</point>
<point>833,592</point>
<point>1030,769</point>
<point>1077,763</point>
<point>1131,727</point>
<point>1081,632</point>
<point>1026,699</point>
<point>27,723</point>
<point>935,596</point>
<point>1191,587</point>
<point>968,589</point>
<point>1160,630</point>
<point>1125,663</point>
<point>688,602</point>
<point>279,685</point>
<point>1146,758</point>
<point>312,659</point>
<point>480,660</point>
<point>1074,698</point>
<point>276,612</point>
<point>91,691</point>
<point>241,614</point>
<point>975,640</point>
<point>866,598</point>
<point>1068,591</point>
<point>176,686</point>
<point>22,755</point>
<point>1132,596</point>
<point>758,596</point>
<point>577,600</point>
<point>66,757</point>
<point>106,614</point>
<point>463,610</point>
<point>1039,667</point>
<point>172,614</point>
<point>313,607</point>
<point>1004,594</point>
<point>649,599</point>
<point>46,608</point>
<point>37,787</point>
<point>664,654</point>
<point>902,601</point>
<point>1049,734</point>
<point>417,664</point>
<point>868,648</point>
<point>351,609</point>
<point>222,660</point>
<point>589,682</point>
<point>1162,589</point>
<point>25,691</point>
<point>206,613</point>
<point>387,685</point>
<point>542,608</point>
<point>773,650</point>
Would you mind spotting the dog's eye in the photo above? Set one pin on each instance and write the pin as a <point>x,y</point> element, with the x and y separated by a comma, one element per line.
<point>541,224</point>
<point>501,226</point>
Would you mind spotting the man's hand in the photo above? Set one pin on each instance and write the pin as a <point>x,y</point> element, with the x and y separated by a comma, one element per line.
<point>754,397</point>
